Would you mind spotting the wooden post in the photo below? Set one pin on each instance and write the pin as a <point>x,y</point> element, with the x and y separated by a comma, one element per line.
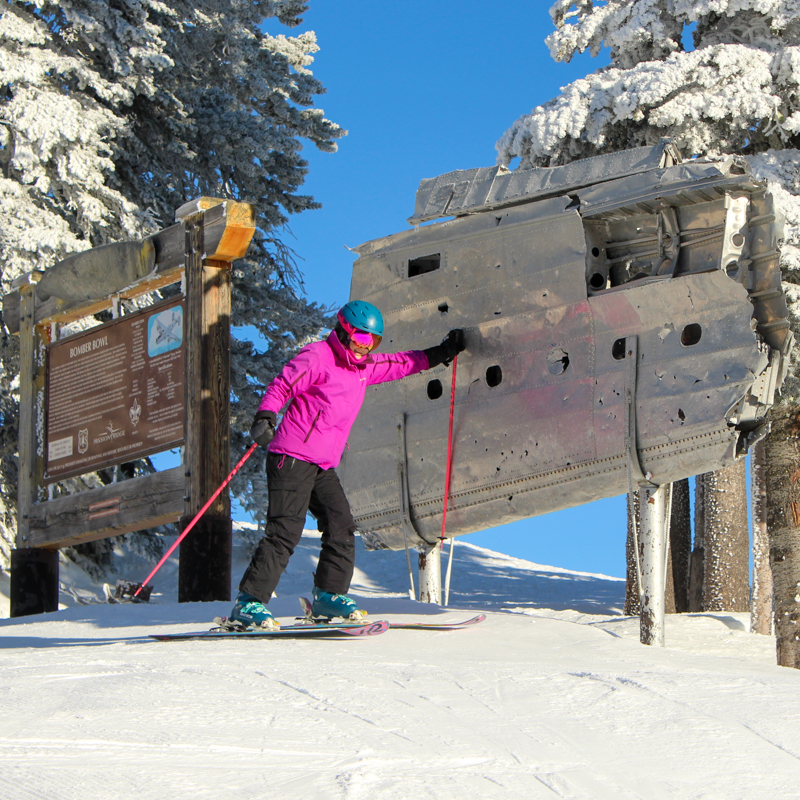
<point>34,583</point>
<point>205,555</point>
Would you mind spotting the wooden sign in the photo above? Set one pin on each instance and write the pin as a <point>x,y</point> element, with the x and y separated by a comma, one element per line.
<point>116,392</point>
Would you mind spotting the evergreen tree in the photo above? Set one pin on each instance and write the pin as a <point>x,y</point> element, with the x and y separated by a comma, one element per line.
<point>735,89</point>
<point>114,115</point>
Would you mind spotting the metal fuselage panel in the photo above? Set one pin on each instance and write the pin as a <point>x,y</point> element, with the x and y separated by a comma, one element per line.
<point>577,380</point>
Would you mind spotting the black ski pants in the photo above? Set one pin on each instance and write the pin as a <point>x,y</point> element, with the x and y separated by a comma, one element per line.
<point>294,488</point>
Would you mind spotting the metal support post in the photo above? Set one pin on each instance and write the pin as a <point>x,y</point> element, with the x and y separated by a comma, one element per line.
<point>430,576</point>
<point>655,506</point>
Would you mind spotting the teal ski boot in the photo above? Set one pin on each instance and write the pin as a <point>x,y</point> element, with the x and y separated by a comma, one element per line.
<point>327,604</point>
<point>250,612</point>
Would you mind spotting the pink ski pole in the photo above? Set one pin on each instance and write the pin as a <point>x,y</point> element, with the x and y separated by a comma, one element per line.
<point>449,466</point>
<point>197,517</point>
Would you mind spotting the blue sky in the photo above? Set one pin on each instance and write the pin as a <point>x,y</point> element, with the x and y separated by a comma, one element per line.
<point>424,88</point>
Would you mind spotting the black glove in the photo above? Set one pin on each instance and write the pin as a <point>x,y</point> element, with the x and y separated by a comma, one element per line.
<point>263,427</point>
<point>444,353</point>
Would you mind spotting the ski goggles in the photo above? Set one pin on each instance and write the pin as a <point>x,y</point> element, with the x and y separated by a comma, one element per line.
<point>360,338</point>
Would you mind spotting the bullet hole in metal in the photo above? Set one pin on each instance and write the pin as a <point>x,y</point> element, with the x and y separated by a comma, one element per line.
<point>498,313</point>
<point>443,308</point>
<point>681,415</point>
<point>557,361</point>
<point>434,389</point>
<point>498,266</point>
<point>691,334</point>
<point>510,498</point>
<point>618,350</point>
<point>419,266</point>
<point>597,281</point>
<point>494,376</point>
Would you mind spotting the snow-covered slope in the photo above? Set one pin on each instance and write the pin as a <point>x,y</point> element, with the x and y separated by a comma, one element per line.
<point>552,696</point>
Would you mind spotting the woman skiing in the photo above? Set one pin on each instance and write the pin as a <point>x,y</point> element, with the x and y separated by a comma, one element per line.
<point>326,383</point>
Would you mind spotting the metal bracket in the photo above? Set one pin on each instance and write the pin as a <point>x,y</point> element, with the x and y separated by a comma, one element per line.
<point>734,239</point>
<point>635,471</point>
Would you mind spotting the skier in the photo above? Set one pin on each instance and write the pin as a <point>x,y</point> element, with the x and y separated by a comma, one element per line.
<point>326,383</point>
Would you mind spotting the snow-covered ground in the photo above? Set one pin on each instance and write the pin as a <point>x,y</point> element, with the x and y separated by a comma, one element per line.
<point>551,697</point>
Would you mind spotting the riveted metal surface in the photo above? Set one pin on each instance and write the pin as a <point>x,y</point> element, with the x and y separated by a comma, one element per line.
<point>552,282</point>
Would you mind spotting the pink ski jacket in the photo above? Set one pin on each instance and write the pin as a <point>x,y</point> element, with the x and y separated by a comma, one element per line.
<point>326,385</point>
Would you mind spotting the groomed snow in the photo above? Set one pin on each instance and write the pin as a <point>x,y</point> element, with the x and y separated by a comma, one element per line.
<point>551,697</point>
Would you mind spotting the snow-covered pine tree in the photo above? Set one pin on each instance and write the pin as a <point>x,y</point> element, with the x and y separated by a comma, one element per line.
<point>735,89</point>
<point>114,115</point>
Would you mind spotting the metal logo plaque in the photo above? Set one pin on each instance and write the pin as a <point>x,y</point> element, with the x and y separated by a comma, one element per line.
<point>116,392</point>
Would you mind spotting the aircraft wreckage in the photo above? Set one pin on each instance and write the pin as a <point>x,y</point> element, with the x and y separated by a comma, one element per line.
<point>625,326</point>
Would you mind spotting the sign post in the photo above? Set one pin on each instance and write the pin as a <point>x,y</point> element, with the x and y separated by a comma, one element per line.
<point>34,572</point>
<point>204,566</point>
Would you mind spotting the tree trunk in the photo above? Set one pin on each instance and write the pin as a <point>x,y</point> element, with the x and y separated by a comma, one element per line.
<point>697,561</point>
<point>680,543</point>
<point>761,600</point>
<point>669,588</point>
<point>632,598</point>
<point>726,580</point>
<point>782,450</point>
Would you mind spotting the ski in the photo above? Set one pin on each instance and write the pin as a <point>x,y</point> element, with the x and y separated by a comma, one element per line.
<point>438,626</point>
<point>299,631</point>
<point>424,626</point>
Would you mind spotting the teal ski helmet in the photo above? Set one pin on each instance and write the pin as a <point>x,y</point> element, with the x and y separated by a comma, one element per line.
<point>363,316</point>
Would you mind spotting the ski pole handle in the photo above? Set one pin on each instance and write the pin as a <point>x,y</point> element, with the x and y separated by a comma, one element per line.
<point>197,517</point>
